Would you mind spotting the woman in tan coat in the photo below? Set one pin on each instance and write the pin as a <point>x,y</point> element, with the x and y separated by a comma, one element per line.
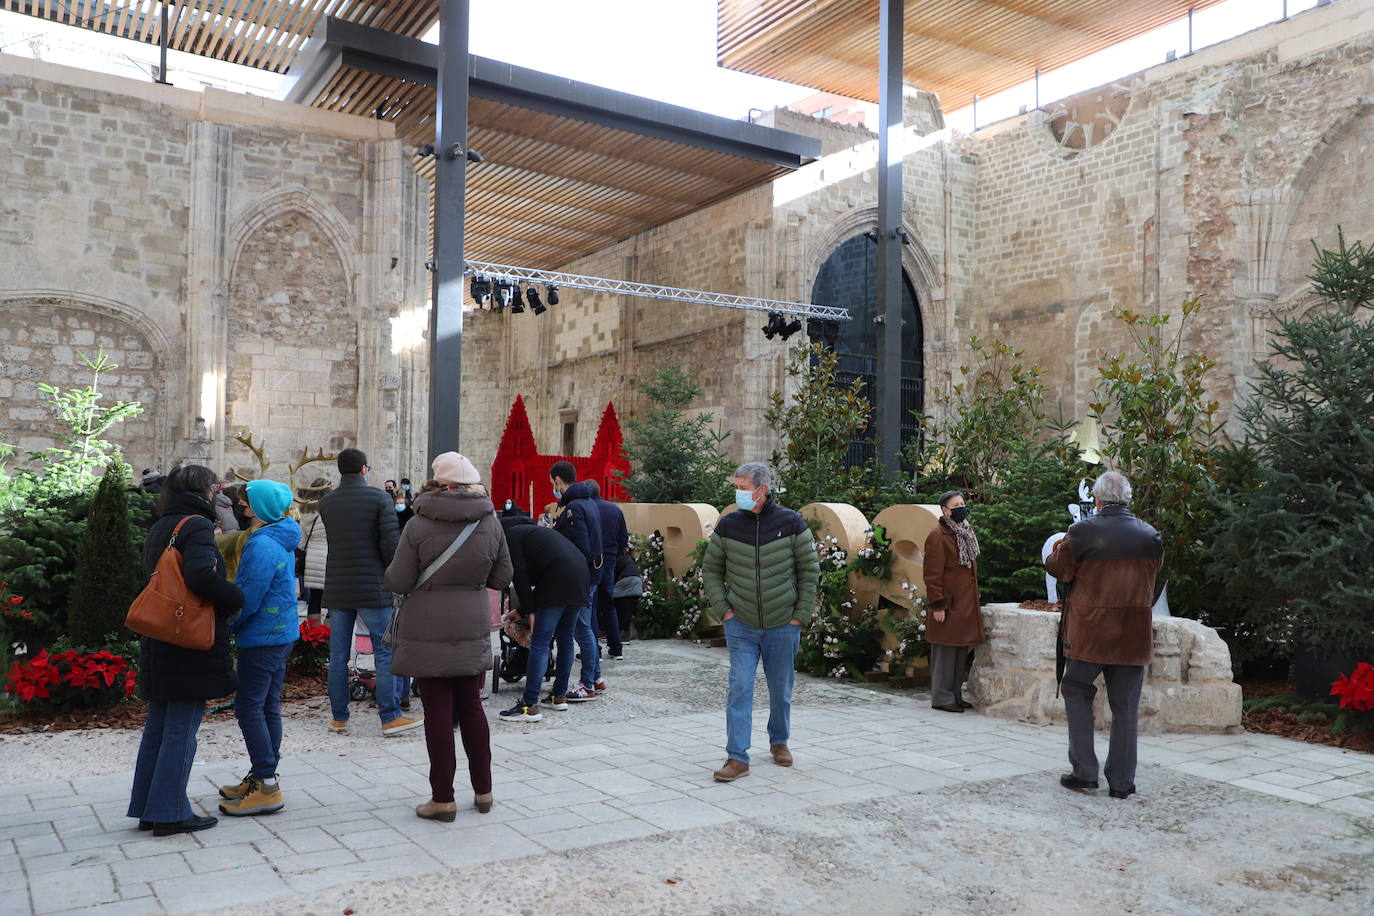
<point>953,619</point>
<point>443,631</point>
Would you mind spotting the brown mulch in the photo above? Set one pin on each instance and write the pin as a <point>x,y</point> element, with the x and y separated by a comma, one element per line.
<point>1286,724</point>
<point>1039,604</point>
<point>299,685</point>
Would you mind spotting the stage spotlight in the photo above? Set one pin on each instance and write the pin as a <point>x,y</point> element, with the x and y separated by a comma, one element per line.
<point>553,294</point>
<point>824,332</point>
<point>773,326</point>
<point>480,288</point>
<point>532,294</point>
<point>505,291</point>
<point>789,328</point>
<point>517,303</point>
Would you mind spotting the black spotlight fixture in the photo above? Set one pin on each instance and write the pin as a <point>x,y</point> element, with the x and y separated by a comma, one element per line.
<point>553,295</point>
<point>532,295</point>
<point>788,328</point>
<point>773,326</point>
<point>480,287</point>
<point>517,303</point>
<point>505,292</point>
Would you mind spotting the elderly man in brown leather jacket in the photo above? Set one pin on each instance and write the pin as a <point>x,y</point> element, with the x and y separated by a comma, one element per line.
<point>1110,561</point>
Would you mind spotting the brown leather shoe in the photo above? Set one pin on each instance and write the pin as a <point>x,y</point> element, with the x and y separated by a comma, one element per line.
<point>437,811</point>
<point>949,707</point>
<point>731,770</point>
<point>781,755</point>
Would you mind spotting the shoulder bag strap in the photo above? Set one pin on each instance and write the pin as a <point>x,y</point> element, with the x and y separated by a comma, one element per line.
<point>311,533</point>
<point>446,555</point>
<point>171,541</point>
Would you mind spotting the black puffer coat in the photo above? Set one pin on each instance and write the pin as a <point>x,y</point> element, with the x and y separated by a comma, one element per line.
<point>168,672</point>
<point>362,541</point>
<point>548,570</point>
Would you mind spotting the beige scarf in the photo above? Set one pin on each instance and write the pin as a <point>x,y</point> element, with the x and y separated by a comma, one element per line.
<point>968,541</point>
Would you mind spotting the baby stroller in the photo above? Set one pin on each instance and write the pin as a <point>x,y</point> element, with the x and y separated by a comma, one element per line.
<point>362,682</point>
<point>510,662</point>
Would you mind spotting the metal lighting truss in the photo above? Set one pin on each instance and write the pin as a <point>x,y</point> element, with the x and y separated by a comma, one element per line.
<point>650,291</point>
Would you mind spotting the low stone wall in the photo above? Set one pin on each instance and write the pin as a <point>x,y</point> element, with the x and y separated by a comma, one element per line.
<point>1187,689</point>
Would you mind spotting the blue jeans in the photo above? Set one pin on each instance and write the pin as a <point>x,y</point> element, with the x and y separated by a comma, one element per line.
<point>590,672</point>
<point>778,649</point>
<point>258,705</point>
<point>341,622</point>
<point>550,624</point>
<point>165,755</point>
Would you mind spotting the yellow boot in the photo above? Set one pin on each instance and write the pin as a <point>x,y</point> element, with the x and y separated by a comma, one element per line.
<point>238,790</point>
<point>262,798</point>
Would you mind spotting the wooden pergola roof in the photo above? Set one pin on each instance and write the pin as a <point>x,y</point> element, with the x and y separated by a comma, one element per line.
<point>954,48</point>
<point>569,168</point>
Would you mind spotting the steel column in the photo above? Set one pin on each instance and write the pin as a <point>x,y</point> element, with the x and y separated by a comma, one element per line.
<point>162,47</point>
<point>888,409</point>
<point>446,312</point>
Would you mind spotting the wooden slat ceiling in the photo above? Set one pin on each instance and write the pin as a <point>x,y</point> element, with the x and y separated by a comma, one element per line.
<point>265,34</point>
<point>552,188</point>
<point>954,48</point>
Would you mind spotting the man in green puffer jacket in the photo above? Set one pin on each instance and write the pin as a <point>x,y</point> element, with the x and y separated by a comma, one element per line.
<point>760,572</point>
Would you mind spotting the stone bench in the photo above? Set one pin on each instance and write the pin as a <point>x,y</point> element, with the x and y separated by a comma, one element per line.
<point>1188,687</point>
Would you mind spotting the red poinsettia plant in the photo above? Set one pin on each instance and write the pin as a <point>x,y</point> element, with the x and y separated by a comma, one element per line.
<point>1356,690</point>
<point>74,679</point>
<point>312,649</point>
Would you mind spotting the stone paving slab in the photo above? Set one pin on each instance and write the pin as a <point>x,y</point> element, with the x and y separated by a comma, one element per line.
<point>580,780</point>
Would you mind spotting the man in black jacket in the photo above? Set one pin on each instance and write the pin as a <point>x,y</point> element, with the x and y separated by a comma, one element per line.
<point>615,543</point>
<point>360,522</point>
<point>551,581</point>
<point>578,520</point>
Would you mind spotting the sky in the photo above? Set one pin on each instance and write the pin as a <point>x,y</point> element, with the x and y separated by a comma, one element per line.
<point>662,49</point>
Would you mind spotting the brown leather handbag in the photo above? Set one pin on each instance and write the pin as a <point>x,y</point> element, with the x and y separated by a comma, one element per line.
<point>167,610</point>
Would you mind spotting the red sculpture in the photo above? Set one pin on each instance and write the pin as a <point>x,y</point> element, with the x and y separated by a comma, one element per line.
<point>521,474</point>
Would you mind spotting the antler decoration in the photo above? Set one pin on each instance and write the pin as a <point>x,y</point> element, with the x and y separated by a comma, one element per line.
<point>258,452</point>
<point>305,495</point>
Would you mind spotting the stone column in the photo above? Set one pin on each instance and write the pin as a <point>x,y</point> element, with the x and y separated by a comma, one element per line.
<point>200,419</point>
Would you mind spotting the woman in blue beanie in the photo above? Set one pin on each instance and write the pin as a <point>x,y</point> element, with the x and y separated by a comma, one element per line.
<point>265,633</point>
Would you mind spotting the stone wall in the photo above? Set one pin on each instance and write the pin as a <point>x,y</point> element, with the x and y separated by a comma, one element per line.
<point>234,255</point>
<point>1205,177</point>
<point>1188,687</point>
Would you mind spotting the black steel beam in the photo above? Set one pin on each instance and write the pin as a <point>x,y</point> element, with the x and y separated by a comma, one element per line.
<point>888,408</point>
<point>450,175</point>
<point>415,61</point>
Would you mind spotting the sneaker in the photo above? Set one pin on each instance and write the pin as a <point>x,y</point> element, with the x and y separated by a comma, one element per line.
<point>580,694</point>
<point>262,798</point>
<point>242,788</point>
<point>521,713</point>
<point>336,726</point>
<point>600,686</point>
<point>616,658</point>
<point>553,702</point>
<point>401,724</point>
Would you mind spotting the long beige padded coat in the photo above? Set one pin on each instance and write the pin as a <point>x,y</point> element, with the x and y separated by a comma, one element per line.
<point>445,625</point>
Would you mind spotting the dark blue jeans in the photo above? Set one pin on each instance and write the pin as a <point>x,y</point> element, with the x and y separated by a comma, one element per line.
<point>165,755</point>
<point>550,624</point>
<point>608,615</point>
<point>258,705</point>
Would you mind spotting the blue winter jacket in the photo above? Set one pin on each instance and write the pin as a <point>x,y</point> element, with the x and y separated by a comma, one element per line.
<point>267,578</point>
<point>615,538</point>
<point>579,521</point>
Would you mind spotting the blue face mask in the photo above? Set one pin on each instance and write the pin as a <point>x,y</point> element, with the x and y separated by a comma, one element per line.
<point>557,493</point>
<point>745,500</point>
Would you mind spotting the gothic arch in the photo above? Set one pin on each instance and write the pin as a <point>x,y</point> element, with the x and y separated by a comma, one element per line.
<point>299,200</point>
<point>162,374</point>
<point>917,262</point>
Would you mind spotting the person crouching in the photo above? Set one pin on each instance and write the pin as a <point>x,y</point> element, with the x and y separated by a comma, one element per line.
<point>265,633</point>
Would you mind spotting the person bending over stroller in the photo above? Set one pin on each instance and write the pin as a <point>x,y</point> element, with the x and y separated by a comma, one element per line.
<point>551,581</point>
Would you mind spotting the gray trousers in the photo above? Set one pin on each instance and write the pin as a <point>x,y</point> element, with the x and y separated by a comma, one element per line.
<point>947,665</point>
<point>1123,695</point>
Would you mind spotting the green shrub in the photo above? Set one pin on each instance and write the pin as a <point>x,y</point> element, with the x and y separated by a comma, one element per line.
<point>38,552</point>
<point>109,572</point>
